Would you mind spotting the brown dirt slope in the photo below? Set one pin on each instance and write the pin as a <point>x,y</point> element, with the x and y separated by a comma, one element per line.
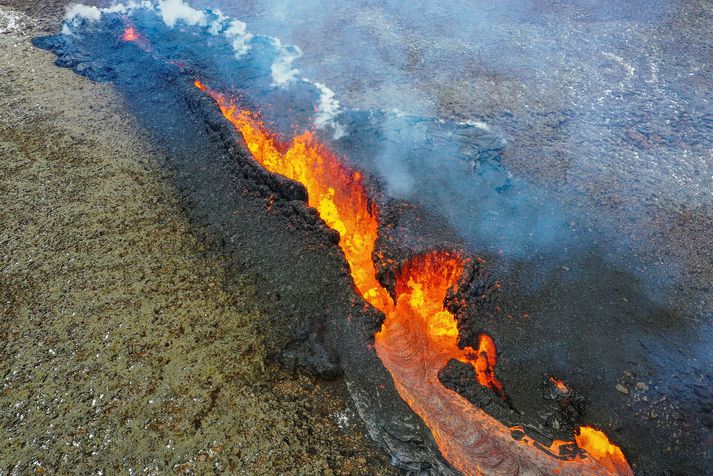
<point>123,344</point>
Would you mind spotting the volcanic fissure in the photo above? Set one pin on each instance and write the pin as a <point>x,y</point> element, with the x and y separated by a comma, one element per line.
<point>419,336</point>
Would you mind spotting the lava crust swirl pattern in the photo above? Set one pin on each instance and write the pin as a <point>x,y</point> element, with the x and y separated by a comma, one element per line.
<point>419,336</point>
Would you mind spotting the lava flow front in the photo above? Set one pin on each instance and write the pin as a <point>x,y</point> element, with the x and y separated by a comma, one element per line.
<point>419,336</point>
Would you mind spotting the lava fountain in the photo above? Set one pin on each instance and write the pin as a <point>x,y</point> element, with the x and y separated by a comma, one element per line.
<point>130,34</point>
<point>419,336</point>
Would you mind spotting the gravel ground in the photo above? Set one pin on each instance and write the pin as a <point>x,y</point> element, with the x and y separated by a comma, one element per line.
<point>126,344</point>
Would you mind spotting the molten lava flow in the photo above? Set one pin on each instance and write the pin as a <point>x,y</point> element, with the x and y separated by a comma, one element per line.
<point>597,444</point>
<point>560,386</point>
<point>421,287</point>
<point>417,340</point>
<point>419,336</point>
<point>484,363</point>
<point>334,190</point>
<point>130,34</point>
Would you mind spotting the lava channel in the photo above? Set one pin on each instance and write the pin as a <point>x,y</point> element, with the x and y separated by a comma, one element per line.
<point>418,336</point>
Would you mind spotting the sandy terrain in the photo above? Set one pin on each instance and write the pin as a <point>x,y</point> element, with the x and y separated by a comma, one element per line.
<point>124,343</point>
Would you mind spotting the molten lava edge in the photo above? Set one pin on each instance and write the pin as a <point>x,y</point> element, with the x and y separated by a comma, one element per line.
<point>419,336</point>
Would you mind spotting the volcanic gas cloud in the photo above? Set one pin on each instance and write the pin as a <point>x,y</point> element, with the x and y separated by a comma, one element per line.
<point>419,335</point>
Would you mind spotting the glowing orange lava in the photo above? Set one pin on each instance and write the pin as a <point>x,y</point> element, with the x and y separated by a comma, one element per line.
<point>597,444</point>
<point>560,385</point>
<point>419,336</point>
<point>130,34</point>
<point>334,190</point>
<point>421,287</point>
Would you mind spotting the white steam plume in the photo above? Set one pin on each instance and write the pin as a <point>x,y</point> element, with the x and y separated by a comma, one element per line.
<point>91,13</point>
<point>174,10</point>
<point>327,110</point>
<point>283,72</point>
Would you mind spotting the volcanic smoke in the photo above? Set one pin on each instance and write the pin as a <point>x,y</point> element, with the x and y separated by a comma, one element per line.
<point>419,336</point>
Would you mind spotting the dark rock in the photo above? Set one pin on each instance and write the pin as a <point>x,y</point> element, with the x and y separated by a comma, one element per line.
<point>460,377</point>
